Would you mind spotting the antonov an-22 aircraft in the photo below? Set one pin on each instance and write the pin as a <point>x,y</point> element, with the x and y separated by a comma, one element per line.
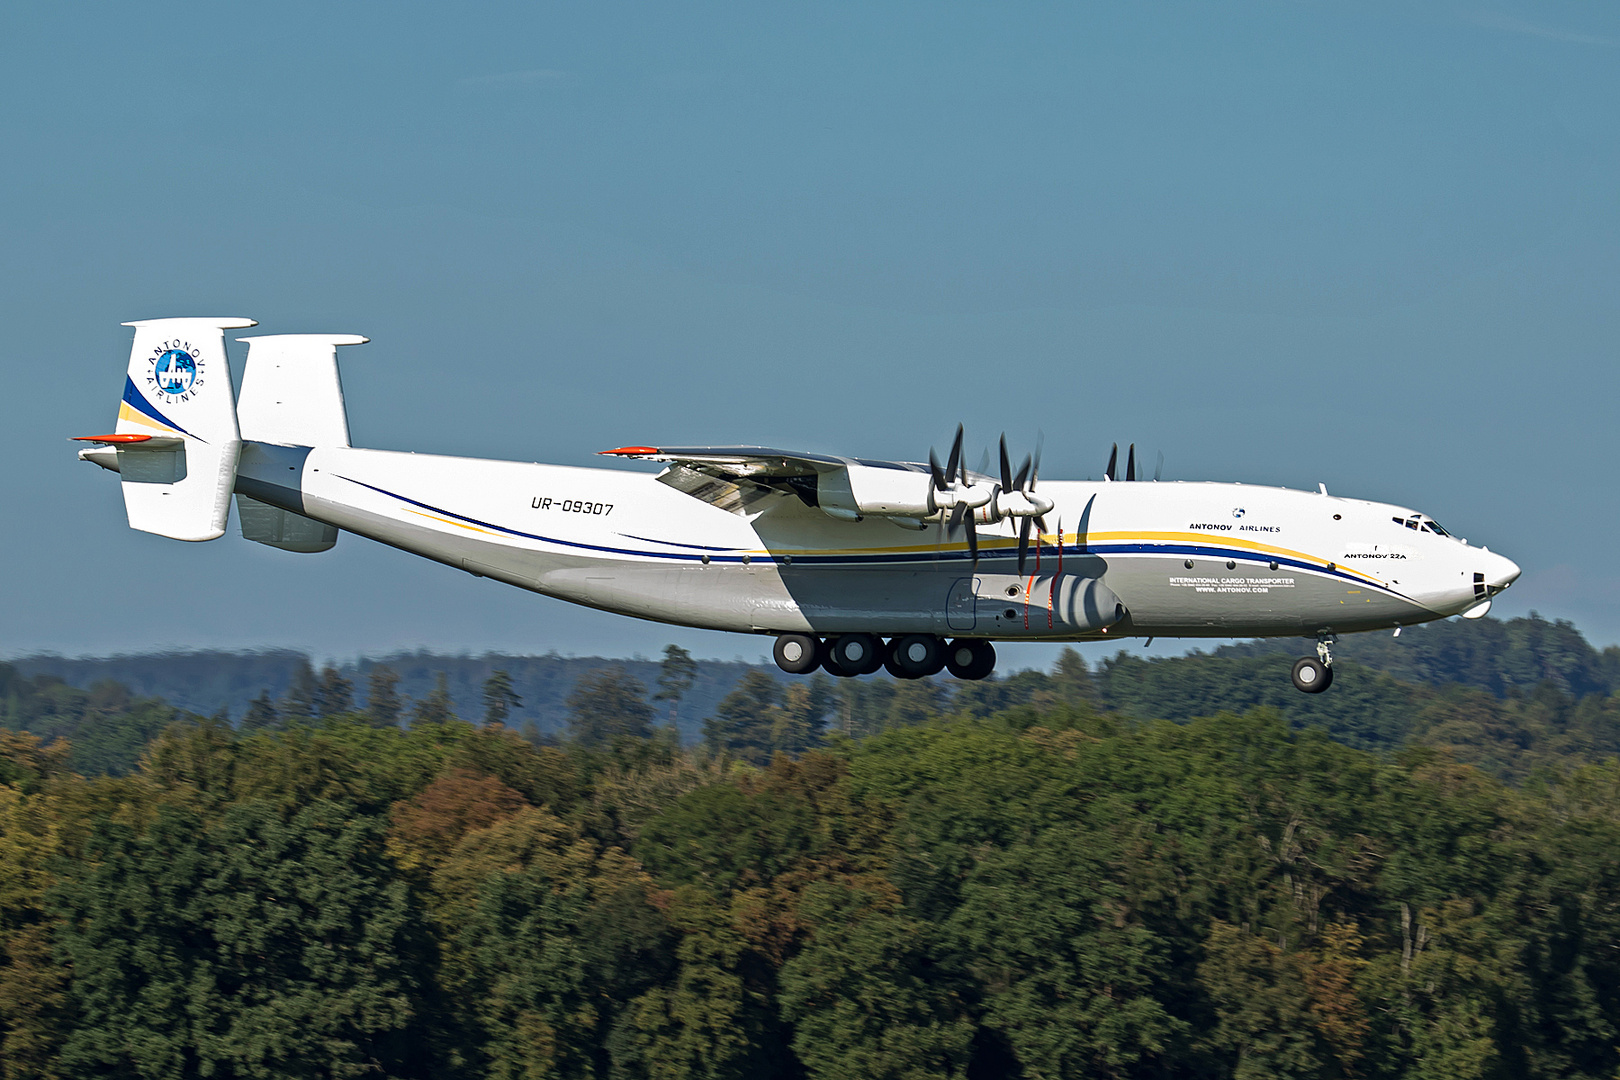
<point>851,564</point>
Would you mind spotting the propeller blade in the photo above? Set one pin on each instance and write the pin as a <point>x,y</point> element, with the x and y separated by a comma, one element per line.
<point>1113,460</point>
<point>1023,474</point>
<point>956,453</point>
<point>1040,441</point>
<point>965,481</point>
<point>984,462</point>
<point>973,541</point>
<point>1006,466</point>
<point>1130,464</point>
<point>955,523</point>
<point>1023,544</point>
<point>933,468</point>
<point>1158,470</point>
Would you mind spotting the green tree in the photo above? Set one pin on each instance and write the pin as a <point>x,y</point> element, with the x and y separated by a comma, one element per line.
<point>1262,1021</point>
<point>437,707</point>
<point>802,717</point>
<point>334,694</point>
<point>556,952</point>
<point>256,946</point>
<point>866,997</point>
<point>713,1020</point>
<point>675,675</point>
<point>261,714</point>
<point>499,697</point>
<point>1072,679</point>
<point>34,1014</point>
<point>608,705</point>
<point>745,722</point>
<point>383,704</point>
<point>299,700</point>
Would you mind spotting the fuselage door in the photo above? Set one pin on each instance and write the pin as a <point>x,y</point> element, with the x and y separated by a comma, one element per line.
<point>959,608</point>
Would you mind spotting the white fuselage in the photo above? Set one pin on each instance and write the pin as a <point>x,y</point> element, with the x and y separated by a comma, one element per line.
<point>1118,559</point>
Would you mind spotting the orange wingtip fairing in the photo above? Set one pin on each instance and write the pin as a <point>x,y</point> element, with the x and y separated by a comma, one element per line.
<point>112,438</point>
<point>631,451</point>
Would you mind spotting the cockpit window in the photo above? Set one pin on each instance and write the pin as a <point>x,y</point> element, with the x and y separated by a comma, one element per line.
<point>1421,524</point>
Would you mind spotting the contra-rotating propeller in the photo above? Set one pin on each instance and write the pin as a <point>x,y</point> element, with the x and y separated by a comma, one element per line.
<point>1112,472</point>
<point>1015,499</point>
<point>961,501</point>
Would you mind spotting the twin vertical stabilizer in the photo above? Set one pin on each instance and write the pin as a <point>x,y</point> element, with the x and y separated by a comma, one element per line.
<point>176,439</point>
<point>291,392</point>
<point>180,432</point>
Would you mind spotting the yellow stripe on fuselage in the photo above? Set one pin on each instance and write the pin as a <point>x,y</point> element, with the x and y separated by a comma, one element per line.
<point>1006,543</point>
<point>458,524</point>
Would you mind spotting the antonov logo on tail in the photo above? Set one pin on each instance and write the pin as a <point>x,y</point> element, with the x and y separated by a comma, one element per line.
<point>175,368</point>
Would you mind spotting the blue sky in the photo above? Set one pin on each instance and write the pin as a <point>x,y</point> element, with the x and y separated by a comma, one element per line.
<point>1373,245</point>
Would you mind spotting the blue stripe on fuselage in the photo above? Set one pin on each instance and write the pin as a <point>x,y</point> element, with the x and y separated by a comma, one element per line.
<point>1070,550</point>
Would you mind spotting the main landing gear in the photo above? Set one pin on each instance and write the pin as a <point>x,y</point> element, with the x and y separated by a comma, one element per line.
<point>910,656</point>
<point>1314,674</point>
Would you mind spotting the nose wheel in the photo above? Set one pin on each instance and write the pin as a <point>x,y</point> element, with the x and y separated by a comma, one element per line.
<point>1311,676</point>
<point>1314,674</point>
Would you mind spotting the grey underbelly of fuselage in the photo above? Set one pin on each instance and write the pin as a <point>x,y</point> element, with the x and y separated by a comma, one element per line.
<point>1078,596</point>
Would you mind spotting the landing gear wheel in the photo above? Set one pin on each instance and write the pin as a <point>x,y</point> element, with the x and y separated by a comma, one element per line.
<point>919,655</point>
<point>830,664</point>
<point>797,654</point>
<point>859,654</point>
<point>1311,676</point>
<point>969,658</point>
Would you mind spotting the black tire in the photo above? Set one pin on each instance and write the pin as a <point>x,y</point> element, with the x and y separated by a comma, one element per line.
<point>860,654</point>
<point>919,655</point>
<point>893,667</point>
<point>970,658</point>
<point>1311,676</point>
<point>830,664</point>
<point>797,654</point>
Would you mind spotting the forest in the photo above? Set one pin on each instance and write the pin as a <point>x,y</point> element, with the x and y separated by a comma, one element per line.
<point>1139,868</point>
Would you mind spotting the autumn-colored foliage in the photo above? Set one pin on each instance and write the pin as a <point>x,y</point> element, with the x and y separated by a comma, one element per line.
<point>1012,882</point>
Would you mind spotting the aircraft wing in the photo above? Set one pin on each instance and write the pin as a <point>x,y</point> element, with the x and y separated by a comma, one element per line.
<point>740,462</point>
<point>742,478</point>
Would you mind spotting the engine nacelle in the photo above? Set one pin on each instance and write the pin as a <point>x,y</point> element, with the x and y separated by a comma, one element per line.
<point>858,491</point>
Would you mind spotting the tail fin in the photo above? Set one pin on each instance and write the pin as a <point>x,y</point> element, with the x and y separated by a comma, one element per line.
<point>176,437</point>
<point>291,392</point>
<point>292,396</point>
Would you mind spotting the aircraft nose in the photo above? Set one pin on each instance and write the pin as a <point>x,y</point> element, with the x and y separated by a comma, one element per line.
<point>1500,572</point>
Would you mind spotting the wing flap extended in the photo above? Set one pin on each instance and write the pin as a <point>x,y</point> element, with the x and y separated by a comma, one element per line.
<point>742,462</point>
<point>841,487</point>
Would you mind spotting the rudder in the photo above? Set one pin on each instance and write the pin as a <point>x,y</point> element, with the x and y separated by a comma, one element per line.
<point>291,392</point>
<point>176,438</point>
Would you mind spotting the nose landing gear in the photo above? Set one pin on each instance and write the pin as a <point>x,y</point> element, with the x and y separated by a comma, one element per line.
<point>1314,674</point>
